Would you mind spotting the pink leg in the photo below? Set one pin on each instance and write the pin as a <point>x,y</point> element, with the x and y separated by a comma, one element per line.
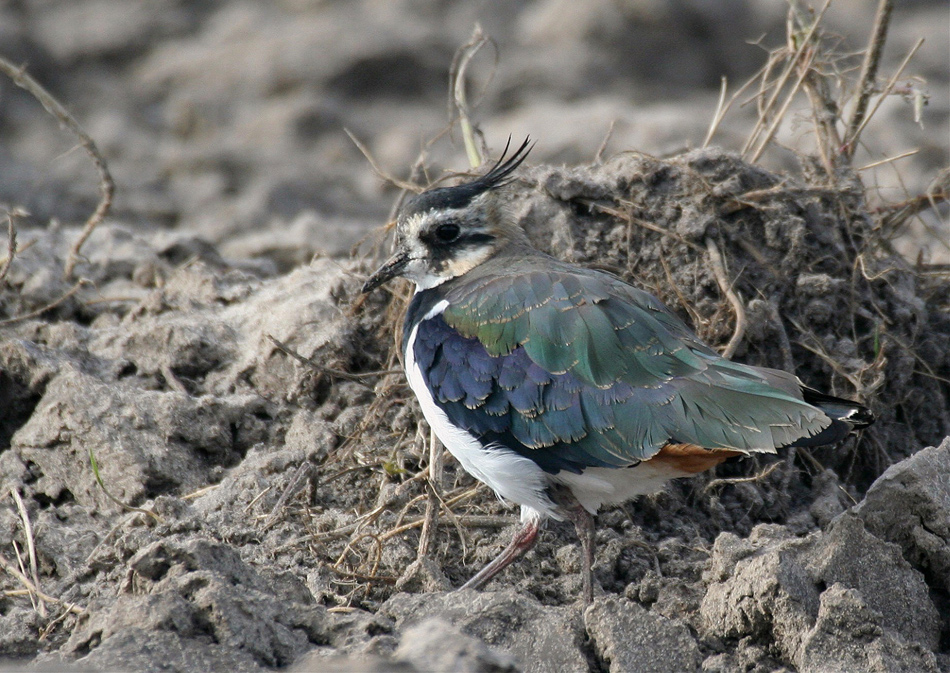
<point>523,541</point>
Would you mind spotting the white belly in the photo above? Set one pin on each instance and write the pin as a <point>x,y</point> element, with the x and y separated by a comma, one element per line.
<point>510,475</point>
<point>598,486</point>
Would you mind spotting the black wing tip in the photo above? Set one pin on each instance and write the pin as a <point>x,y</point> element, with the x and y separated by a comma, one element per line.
<point>860,417</point>
<point>853,413</point>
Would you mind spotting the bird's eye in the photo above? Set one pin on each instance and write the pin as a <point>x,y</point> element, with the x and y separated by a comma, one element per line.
<point>447,232</point>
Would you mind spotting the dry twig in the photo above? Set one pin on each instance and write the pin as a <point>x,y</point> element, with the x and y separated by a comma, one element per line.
<point>758,476</point>
<point>804,70</point>
<point>872,59</point>
<point>627,217</point>
<point>358,377</point>
<point>106,183</point>
<point>459,100</point>
<point>721,109</point>
<point>719,270</point>
<point>30,547</point>
<point>32,314</point>
<point>296,481</point>
<point>32,588</point>
<point>433,502</point>
<point>11,243</point>
<point>407,186</point>
<point>792,63</point>
<point>599,154</point>
<point>853,138</point>
<point>887,160</point>
<point>94,464</point>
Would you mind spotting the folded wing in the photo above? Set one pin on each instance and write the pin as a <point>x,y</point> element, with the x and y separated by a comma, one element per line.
<point>576,369</point>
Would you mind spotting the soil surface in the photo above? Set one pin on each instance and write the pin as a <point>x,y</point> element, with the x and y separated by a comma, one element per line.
<point>210,459</point>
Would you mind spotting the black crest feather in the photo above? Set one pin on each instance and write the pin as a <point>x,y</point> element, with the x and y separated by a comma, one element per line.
<point>461,195</point>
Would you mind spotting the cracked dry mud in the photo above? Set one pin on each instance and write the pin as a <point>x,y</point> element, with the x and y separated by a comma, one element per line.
<point>286,495</point>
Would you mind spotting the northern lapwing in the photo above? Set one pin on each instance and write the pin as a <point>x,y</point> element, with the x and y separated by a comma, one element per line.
<point>564,388</point>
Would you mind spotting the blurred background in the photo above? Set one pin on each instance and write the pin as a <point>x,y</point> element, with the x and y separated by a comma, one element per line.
<point>225,121</point>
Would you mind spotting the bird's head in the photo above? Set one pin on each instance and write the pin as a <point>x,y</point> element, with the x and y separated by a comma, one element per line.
<point>445,232</point>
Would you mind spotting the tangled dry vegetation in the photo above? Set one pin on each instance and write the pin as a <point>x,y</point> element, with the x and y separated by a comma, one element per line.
<point>792,272</point>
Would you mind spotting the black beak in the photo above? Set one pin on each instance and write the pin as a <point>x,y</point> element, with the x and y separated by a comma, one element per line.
<point>393,267</point>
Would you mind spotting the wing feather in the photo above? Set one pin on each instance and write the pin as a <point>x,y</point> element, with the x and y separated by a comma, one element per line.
<point>576,369</point>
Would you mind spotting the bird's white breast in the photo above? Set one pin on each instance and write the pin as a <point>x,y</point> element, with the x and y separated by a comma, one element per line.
<point>510,475</point>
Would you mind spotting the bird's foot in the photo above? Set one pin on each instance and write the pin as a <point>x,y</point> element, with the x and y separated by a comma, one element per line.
<point>523,540</point>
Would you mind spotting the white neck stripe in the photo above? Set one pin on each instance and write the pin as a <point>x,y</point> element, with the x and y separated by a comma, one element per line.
<point>437,309</point>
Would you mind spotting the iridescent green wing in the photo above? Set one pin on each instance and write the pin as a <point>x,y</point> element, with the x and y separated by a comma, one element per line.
<point>570,322</point>
<point>588,368</point>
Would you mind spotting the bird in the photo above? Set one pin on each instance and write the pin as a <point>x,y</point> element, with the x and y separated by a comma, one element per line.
<point>566,389</point>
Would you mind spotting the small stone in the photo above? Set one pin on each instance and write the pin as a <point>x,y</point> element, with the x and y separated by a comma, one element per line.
<point>631,638</point>
<point>539,637</point>
<point>848,554</point>
<point>649,589</point>
<point>848,636</point>
<point>423,575</point>
<point>909,505</point>
<point>436,645</point>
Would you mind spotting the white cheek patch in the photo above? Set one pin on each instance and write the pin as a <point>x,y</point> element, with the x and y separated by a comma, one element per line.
<point>467,260</point>
<point>429,268</point>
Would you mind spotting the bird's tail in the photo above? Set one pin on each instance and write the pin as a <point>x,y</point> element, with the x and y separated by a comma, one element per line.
<point>846,417</point>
